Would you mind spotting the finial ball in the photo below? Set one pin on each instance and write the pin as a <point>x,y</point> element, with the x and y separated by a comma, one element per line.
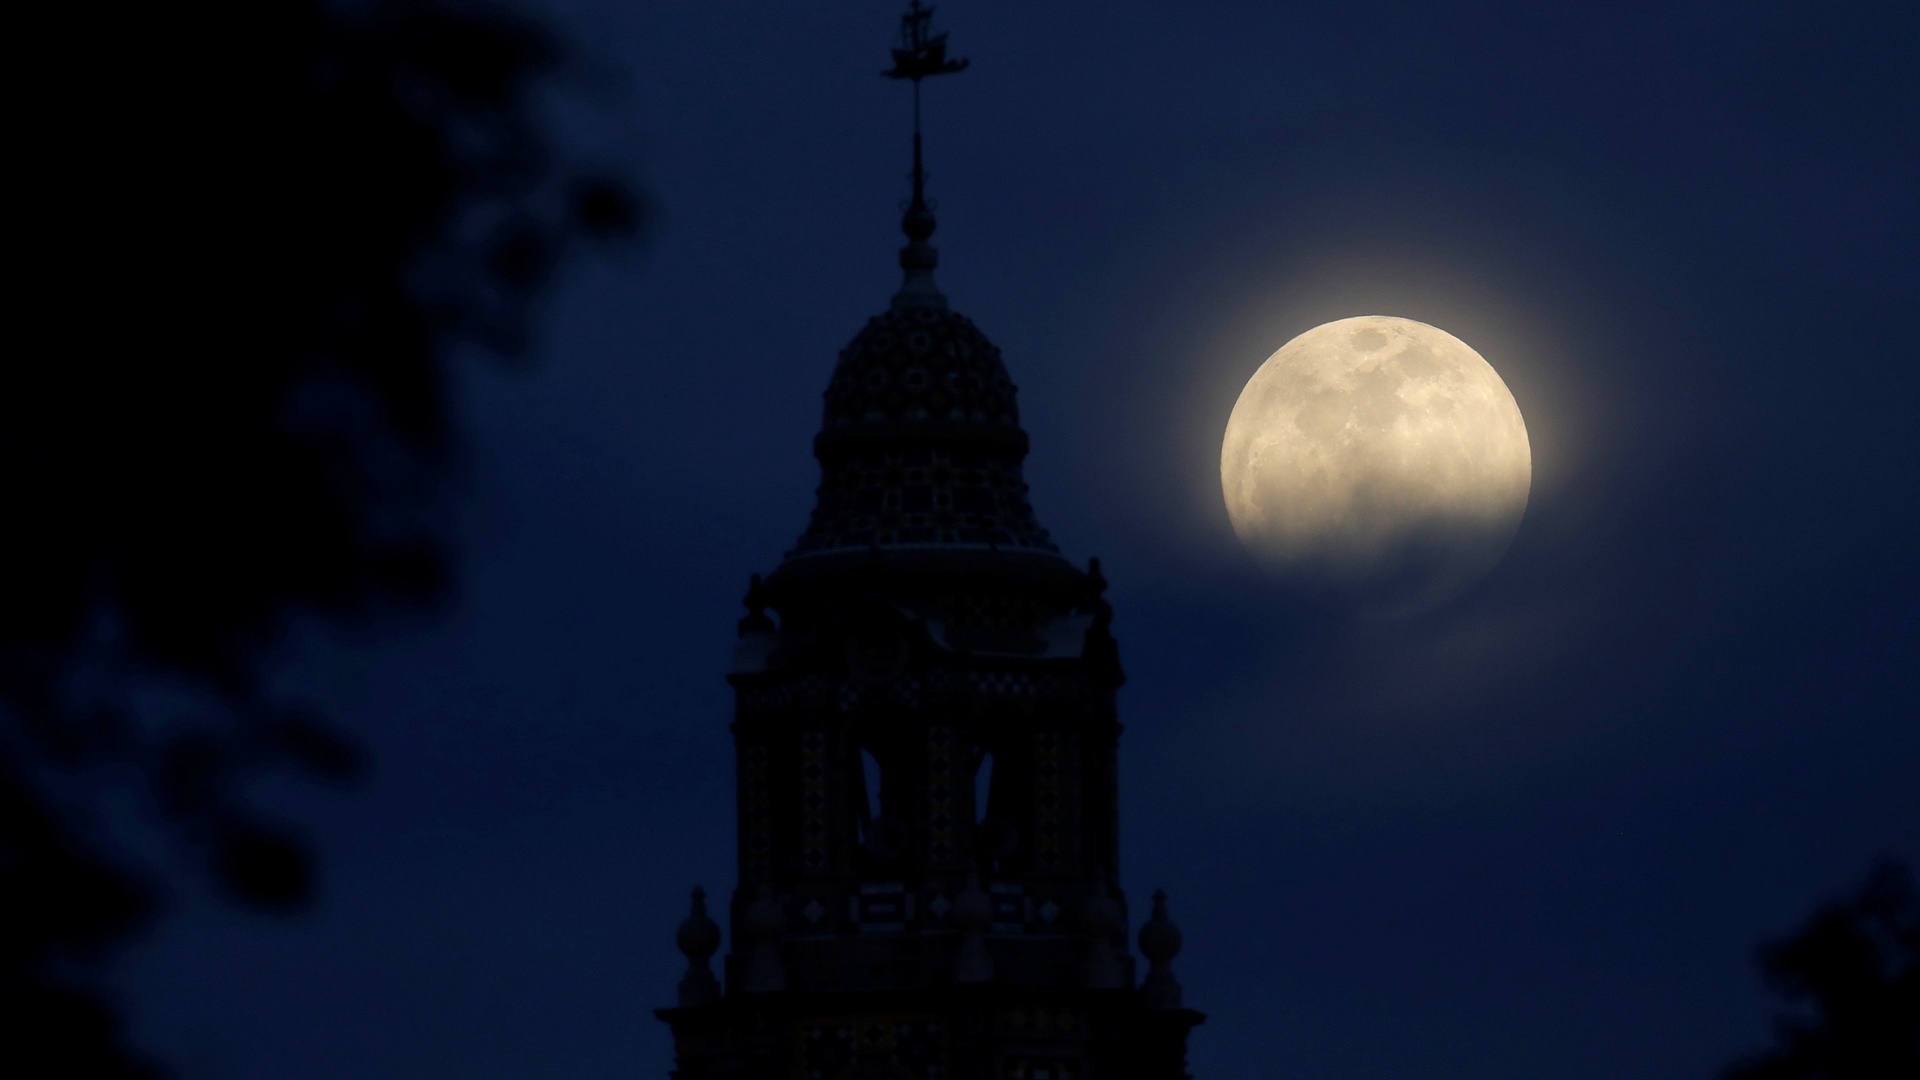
<point>1159,937</point>
<point>699,935</point>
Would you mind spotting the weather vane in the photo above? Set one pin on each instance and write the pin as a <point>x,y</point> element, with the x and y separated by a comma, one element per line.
<point>920,54</point>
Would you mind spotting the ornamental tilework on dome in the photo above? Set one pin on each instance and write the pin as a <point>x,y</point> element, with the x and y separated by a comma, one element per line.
<point>917,364</point>
<point>923,496</point>
<point>920,445</point>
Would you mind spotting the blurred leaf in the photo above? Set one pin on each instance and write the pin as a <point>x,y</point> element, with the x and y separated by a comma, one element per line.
<point>267,868</point>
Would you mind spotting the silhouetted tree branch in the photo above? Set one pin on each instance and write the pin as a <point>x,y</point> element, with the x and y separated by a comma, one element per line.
<point>257,235</point>
<point>1851,980</point>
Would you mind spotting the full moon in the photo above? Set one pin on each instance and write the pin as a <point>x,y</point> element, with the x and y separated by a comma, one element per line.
<point>1379,461</point>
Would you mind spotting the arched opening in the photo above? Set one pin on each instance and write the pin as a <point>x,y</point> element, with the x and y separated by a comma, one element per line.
<point>995,802</point>
<point>869,805</point>
<point>982,786</point>
<point>882,836</point>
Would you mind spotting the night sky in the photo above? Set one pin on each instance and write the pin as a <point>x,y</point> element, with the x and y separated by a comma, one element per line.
<point>1534,834</point>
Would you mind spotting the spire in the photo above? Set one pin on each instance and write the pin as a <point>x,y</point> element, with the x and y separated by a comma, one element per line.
<point>698,938</point>
<point>921,54</point>
<point>1160,943</point>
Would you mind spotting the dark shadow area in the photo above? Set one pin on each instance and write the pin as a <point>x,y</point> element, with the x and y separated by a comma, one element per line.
<point>1850,981</point>
<point>255,237</point>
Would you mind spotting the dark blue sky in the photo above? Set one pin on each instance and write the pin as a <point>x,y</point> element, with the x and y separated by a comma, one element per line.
<point>1534,834</point>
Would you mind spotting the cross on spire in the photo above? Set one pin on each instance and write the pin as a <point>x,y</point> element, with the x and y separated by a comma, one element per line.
<point>921,54</point>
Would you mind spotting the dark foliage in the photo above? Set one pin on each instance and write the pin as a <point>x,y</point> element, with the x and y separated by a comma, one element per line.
<point>1851,980</point>
<point>254,236</point>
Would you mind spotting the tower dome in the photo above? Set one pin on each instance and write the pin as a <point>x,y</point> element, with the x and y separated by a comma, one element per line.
<point>920,443</point>
<point>926,368</point>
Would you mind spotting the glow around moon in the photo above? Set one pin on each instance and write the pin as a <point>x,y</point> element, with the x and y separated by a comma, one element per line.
<point>1377,459</point>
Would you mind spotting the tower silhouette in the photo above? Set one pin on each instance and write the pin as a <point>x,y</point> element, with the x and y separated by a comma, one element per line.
<point>926,746</point>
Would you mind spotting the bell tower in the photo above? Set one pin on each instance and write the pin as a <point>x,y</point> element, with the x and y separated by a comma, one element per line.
<point>926,740</point>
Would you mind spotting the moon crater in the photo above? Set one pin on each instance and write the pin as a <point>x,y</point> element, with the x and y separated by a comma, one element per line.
<point>1379,460</point>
